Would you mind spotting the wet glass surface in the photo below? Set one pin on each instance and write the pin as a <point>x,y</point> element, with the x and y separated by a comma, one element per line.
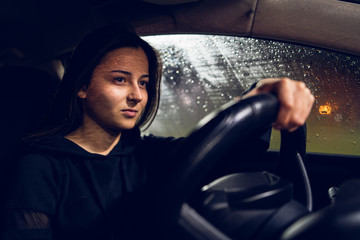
<point>203,72</point>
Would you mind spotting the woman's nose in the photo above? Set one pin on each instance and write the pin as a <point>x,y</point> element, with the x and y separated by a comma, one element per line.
<point>135,94</point>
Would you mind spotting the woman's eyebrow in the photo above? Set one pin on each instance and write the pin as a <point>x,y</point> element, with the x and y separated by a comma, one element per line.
<point>121,71</point>
<point>129,73</point>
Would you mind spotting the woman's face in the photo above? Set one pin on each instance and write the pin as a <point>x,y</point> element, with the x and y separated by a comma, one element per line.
<point>117,93</point>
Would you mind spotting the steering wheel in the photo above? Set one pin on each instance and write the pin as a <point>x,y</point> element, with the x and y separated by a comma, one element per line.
<point>216,134</point>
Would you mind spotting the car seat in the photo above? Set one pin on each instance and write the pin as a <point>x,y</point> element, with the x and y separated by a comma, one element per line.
<point>26,93</point>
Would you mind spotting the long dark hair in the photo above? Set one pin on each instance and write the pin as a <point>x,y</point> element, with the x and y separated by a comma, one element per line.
<point>67,112</point>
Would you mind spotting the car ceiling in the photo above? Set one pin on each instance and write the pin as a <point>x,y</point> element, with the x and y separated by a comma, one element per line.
<point>39,30</point>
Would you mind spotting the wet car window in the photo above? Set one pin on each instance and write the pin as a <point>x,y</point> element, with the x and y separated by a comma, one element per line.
<point>202,72</point>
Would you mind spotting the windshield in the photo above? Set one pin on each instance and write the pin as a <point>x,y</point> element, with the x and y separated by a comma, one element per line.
<point>202,72</point>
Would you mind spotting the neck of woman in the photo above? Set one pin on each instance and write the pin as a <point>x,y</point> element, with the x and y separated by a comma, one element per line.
<point>95,139</point>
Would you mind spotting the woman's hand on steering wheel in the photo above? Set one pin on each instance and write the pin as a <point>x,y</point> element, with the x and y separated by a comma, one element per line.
<point>294,97</point>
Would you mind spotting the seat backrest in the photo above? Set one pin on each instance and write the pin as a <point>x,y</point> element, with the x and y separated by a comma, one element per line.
<point>25,96</point>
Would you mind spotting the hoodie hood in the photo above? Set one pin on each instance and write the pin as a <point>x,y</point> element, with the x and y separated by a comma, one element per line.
<point>62,146</point>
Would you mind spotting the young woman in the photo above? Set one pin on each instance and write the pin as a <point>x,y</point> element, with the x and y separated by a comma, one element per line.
<point>77,178</point>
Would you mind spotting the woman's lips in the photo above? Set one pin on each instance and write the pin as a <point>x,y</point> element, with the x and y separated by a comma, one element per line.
<point>129,112</point>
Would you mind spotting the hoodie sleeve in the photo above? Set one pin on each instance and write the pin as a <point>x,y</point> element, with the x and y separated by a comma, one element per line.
<point>26,224</point>
<point>36,184</point>
<point>31,199</point>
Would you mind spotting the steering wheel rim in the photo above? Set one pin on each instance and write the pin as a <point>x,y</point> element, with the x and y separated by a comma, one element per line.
<point>216,133</point>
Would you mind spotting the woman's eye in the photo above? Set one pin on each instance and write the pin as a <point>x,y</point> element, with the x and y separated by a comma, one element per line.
<point>143,83</point>
<point>120,79</point>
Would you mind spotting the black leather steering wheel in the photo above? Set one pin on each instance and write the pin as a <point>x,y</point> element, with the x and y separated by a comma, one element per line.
<point>219,132</point>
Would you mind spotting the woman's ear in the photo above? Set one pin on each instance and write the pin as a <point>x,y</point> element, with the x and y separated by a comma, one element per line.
<point>82,93</point>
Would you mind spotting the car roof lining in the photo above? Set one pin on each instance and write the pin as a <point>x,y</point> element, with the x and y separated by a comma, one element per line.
<point>330,24</point>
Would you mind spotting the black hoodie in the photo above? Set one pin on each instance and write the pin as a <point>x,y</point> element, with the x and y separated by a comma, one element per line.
<point>85,195</point>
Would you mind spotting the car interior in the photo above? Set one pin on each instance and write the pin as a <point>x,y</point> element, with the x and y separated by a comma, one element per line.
<point>306,186</point>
